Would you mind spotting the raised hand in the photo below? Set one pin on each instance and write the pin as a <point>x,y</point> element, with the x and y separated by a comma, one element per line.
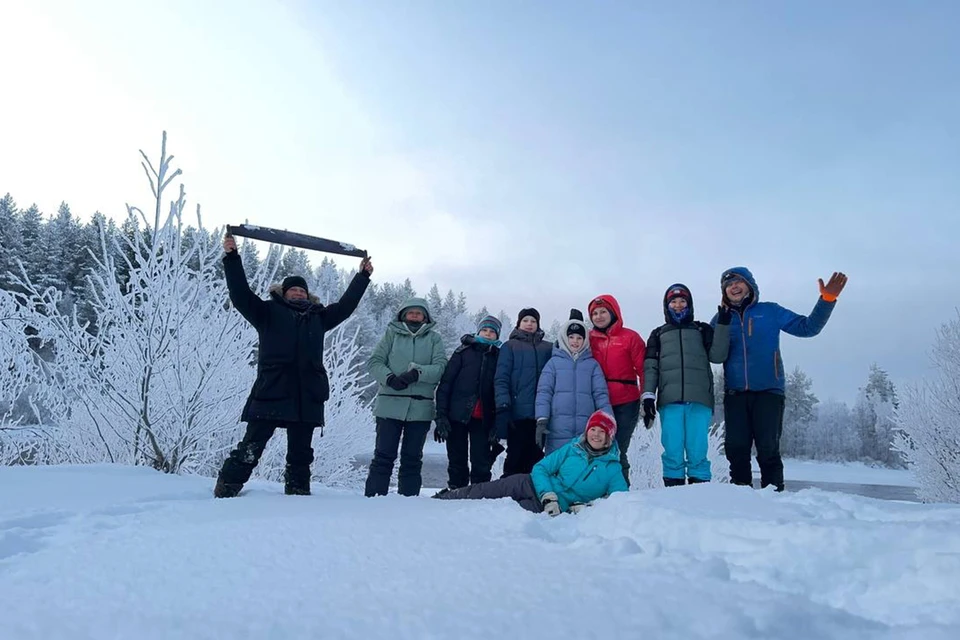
<point>831,291</point>
<point>229,244</point>
<point>366,265</point>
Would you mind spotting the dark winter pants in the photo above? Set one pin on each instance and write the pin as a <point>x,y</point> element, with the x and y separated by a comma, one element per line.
<point>626,415</point>
<point>390,432</point>
<point>522,449</point>
<point>519,487</point>
<point>754,417</point>
<point>241,462</point>
<point>472,436</point>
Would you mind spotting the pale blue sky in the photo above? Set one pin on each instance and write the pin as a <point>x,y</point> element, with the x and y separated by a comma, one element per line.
<point>553,151</point>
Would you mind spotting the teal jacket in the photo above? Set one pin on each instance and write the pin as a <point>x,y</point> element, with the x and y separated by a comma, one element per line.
<point>399,351</point>
<point>577,475</point>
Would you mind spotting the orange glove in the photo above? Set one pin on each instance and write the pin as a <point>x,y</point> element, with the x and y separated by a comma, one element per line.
<point>831,291</point>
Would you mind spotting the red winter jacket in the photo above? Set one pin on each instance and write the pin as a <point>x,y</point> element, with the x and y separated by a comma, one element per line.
<point>620,352</point>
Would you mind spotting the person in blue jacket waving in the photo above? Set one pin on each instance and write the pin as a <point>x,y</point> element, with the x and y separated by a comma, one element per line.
<point>567,480</point>
<point>753,372</point>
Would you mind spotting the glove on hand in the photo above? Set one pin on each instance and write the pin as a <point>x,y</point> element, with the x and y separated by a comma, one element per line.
<point>503,421</point>
<point>550,504</point>
<point>542,432</point>
<point>649,412</point>
<point>724,315</point>
<point>410,376</point>
<point>396,382</point>
<point>577,507</point>
<point>441,430</point>
<point>831,291</point>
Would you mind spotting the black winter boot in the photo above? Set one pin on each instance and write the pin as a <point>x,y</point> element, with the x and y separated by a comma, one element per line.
<point>673,482</point>
<point>696,481</point>
<point>226,490</point>
<point>296,481</point>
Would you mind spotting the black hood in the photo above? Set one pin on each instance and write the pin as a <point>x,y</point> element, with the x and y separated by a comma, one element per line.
<point>666,306</point>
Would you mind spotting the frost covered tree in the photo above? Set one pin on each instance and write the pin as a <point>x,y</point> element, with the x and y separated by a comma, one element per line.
<point>928,418</point>
<point>165,374</point>
<point>11,240</point>
<point>833,435</point>
<point>874,414</point>
<point>799,413</point>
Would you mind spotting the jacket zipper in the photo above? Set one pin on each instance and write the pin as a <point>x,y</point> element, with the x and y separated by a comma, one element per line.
<point>743,336</point>
<point>683,383</point>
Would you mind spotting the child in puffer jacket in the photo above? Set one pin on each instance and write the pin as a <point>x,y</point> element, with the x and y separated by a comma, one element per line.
<point>567,480</point>
<point>571,387</point>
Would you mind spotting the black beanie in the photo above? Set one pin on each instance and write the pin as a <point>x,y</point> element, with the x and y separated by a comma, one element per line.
<point>294,281</point>
<point>576,329</point>
<point>528,312</point>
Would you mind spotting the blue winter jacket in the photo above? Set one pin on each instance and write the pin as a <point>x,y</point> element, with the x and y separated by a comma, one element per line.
<point>569,391</point>
<point>754,362</point>
<point>522,358</point>
<point>578,476</point>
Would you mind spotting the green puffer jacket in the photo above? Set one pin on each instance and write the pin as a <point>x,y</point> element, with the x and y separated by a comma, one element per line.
<point>399,351</point>
<point>677,364</point>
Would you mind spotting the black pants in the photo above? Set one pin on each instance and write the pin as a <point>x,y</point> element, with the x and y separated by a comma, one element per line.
<point>626,416</point>
<point>754,417</point>
<point>468,440</point>
<point>522,449</point>
<point>241,462</point>
<point>390,433</point>
<point>519,487</point>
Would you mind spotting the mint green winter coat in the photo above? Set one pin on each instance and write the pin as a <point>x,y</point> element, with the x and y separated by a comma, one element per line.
<point>399,351</point>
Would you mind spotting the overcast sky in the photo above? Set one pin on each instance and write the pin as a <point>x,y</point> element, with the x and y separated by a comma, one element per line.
<point>533,153</point>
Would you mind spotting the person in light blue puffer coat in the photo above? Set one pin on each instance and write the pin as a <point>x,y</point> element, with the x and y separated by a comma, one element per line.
<point>571,387</point>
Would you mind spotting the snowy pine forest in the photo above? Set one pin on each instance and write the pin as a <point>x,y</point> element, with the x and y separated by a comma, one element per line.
<point>119,345</point>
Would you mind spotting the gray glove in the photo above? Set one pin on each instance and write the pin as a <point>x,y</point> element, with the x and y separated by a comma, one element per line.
<point>550,503</point>
<point>542,432</point>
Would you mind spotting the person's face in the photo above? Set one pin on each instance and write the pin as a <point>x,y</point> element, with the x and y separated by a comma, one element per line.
<point>528,324</point>
<point>678,304</point>
<point>736,290</point>
<point>575,341</point>
<point>600,318</point>
<point>596,437</point>
<point>487,333</point>
<point>414,315</point>
<point>295,293</point>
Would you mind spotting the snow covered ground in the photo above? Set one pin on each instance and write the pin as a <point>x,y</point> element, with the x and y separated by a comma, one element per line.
<point>845,472</point>
<point>115,552</point>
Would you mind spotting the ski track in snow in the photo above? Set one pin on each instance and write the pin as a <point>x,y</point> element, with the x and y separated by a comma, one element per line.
<point>115,552</point>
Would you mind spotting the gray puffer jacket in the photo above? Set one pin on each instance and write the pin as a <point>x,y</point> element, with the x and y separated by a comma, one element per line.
<point>677,364</point>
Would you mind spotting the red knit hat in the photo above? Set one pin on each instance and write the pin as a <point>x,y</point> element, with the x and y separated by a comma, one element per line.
<point>603,420</point>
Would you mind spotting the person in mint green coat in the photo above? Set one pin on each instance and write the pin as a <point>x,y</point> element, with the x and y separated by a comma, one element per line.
<point>567,480</point>
<point>408,364</point>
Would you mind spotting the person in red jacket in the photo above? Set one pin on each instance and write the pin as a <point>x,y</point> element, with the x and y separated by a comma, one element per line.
<point>620,352</point>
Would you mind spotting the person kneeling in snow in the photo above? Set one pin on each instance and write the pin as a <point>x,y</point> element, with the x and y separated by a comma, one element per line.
<point>566,480</point>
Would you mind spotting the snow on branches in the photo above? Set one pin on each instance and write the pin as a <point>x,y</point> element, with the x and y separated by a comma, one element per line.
<point>929,419</point>
<point>163,372</point>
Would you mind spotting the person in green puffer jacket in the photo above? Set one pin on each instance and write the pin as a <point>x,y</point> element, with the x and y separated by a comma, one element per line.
<point>567,480</point>
<point>408,364</point>
<point>678,379</point>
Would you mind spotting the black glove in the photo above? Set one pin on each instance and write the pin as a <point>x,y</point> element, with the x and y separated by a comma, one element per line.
<point>396,382</point>
<point>442,429</point>
<point>410,376</point>
<point>724,315</point>
<point>649,411</point>
<point>492,437</point>
<point>542,432</point>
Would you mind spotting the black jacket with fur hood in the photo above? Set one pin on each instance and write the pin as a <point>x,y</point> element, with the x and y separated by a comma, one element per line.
<point>292,383</point>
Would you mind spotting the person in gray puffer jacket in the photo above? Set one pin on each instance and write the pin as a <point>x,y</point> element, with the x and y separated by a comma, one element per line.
<point>678,379</point>
<point>571,387</point>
